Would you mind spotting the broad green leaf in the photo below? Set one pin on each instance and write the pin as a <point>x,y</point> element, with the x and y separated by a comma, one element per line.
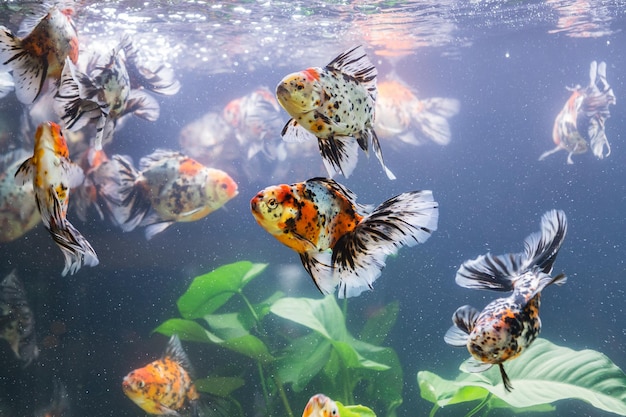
<point>304,359</point>
<point>324,316</point>
<point>543,374</point>
<point>250,346</point>
<point>226,326</point>
<point>221,386</point>
<point>380,324</point>
<point>210,291</point>
<point>354,410</point>
<point>185,329</point>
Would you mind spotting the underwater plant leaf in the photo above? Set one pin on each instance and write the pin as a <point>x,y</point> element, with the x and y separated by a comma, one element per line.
<point>303,360</point>
<point>250,346</point>
<point>543,374</point>
<point>222,386</point>
<point>387,386</point>
<point>351,358</point>
<point>324,316</point>
<point>354,410</point>
<point>210,291</point>
<point>226,326</point>
<point>185,329</point>
<point>380,324</point>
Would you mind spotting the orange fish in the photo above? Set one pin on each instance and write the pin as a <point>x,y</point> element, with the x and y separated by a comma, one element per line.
<point>53,175</point>
<point>320,406</point>
<point>334,105</point>
<point>341,242</point>
<point>41,54</point>
<point>170,187</point>
<point>164,387</point>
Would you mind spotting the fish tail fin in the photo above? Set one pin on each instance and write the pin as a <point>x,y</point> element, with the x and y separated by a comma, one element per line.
<point>431,116</point>
<point>359,256</point>
<point>541,248</point>
<point>159,79</point>
<point>75,248</point>
<point>339,154</point>
<point>29,71</point>
<point>463,318</point>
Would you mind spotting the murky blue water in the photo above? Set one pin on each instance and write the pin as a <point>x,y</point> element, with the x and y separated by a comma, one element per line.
<point>507,63</point>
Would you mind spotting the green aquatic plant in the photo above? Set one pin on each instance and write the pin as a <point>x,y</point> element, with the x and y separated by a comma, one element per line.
<point>322,356</point>
<point>544,374</point>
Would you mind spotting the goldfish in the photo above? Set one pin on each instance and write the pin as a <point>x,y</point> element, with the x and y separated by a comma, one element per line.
<point>104,95</point>
<point>17,321</point>
<point>508,325</point>
<point>53,175</point>
<point>336,106</point>
<point>41,54</point>
<point>59,405</point>
<point>18,207</point>
<point>169,187</point>
<point>164,387</point>
<point>206,139</point>
<point>400,114</point>
<point>255,118</point>
<point>320,405</point>
<point>341,242</point>
<point>583,117</point>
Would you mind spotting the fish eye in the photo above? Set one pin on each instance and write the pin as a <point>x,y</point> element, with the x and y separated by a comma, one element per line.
<point>141,384</point>
<point>272,203</point>
<point>334,412</point>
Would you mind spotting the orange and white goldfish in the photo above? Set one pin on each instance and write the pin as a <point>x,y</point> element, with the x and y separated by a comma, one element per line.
<point>255,119</point>
<point>336,106</point>
<point>320,405</point>
<point>164,387</point>
<point>17,321</point>
<point>507,326</point>
<point>18,207</point>
<point>170,187</point>
<point>580,123</point>
<point>401,115</point>
<point>341,242</point>
<point>53,175</point>
<point>41,54</point>
<point>106,93</point>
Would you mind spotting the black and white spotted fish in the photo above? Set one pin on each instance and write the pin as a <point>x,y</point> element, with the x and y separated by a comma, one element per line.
<point>17,321</point>
<point>335,105</point>
<point>508,325</point>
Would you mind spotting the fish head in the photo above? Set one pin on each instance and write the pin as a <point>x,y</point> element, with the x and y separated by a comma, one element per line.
<point>220,186</point>
<point>50,137</point>
<point>320,406</point>
<point>232,112</point>
<point>142,387</point>
<point>273,207</point>
<point>300,92</point>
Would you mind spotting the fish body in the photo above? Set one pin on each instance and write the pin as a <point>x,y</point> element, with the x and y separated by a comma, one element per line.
<point>341,242</point>
<point>401,115</point>
<point>103,95</point>
<point>169,187</point>
<point>335,105</point>
<point>164,387</point>
<point>508,325</point>
<point>580,124</point>
<point>41,54</point>
<point>18,207</point>
<point>320,405</point>
<point>17,321</point>
<point>53,175</point>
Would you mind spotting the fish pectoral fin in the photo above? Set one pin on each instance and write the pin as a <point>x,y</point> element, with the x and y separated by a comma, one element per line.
<point>293,132</point>
<point>464,319</point>
<point>29,71</point>
<point>318,265</point>
<point>74,173</point>
<point>340,155</point>
<point>474,366</point>
<point>455,337</point>
<point>24,173</point>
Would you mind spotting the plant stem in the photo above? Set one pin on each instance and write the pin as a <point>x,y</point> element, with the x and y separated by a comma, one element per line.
<point>245,300</point>
<point>263,384</point>
<point>283,396</point>
<point>434,410</point>
<point>480,406</point>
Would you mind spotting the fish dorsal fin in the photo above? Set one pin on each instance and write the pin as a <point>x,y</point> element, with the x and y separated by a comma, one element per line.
<point>293,132</point>
<point>541,248</point>
<point>157,157</point>
<point>334,186</point>
<point>355,63</point>
<point>174,351</point>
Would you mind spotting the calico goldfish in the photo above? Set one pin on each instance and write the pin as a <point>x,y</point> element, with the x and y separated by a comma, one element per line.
<point>341,242</point>
<point>320,405</point>
<point>164,387</point>
<point>581,121</point>
<point>401,115</point>
<point>17,321</point>
<point>169,187</point>
<point>18,207</point>
<point>41,54</point>
<point>507,326</point>
<point>104,94</point>
<point>336,106</point>
<point>53,175</point>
